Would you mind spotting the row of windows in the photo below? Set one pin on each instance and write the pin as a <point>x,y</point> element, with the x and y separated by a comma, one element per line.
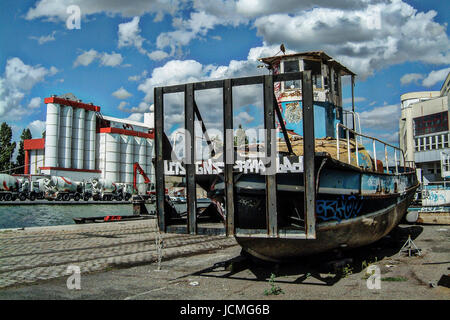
<point>432,123</point>
<point>432,142</point>
<point>316,72</point>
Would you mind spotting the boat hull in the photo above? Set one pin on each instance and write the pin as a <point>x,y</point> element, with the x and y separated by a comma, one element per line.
<point>352,233</point>
<point>353,208</point>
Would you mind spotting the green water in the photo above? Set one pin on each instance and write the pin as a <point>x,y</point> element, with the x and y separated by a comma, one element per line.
<point>17,216</point>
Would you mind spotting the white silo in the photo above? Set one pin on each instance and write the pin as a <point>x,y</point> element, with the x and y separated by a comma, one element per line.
<point>126,159</point>
<point>150,152</point>
<point>52,135</point>
<point>78,138</point>
<point>65,145</point>
<point>90,141</point>
<point>101,153</point>
<point>112,158</point>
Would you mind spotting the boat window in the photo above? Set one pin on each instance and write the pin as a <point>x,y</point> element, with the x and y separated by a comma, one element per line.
<point>315,67</point>
<point>291,66</point>
<point>336,83</point>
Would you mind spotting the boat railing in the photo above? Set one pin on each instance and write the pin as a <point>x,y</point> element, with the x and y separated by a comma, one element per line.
<point>355,116</point>
<point>374,140</point>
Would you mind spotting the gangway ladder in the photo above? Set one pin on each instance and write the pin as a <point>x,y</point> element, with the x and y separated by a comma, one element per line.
<point>270,105</point>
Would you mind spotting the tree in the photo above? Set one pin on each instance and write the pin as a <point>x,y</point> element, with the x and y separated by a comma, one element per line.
<point>6,147</point>
<point>20,160</point>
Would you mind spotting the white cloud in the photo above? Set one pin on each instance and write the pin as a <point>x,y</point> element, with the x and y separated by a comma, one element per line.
<point>384,118</point>
<point>106,59</point>
<point>86,58</point>
<point>435,77</point>
<point>129,35</point>
<point>185,71</point>
<point>121,93</point>
<point>410,77</point>
<point>138,77</point>
<point>158,55</point>
<point>404,34</point>
<point>34,103</point>
<point>141,108</point>
<point>111,60</point>
<point>19,78</point>
<point>57,9</point>
<point>243,118</point>
<point>349,100</point>
<point>37,127</point>
<point>136,117</point>
<point>44,39</point>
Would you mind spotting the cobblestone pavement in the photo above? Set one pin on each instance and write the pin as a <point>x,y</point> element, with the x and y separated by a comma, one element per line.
<point>35,254</point>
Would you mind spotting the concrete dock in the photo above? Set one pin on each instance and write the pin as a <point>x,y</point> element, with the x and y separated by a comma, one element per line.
<point>119,261</point>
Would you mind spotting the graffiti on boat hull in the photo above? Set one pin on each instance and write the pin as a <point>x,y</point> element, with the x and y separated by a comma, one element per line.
<point>343,208</point>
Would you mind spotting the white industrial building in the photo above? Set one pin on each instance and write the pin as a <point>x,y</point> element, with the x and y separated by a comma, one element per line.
<point>80,143</point>
<point>424,129</point>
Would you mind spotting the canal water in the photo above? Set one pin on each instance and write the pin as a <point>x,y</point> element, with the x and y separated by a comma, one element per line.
<point>24,216</point>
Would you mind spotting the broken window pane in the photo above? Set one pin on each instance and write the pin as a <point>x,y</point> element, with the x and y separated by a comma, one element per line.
<point>291,66</point>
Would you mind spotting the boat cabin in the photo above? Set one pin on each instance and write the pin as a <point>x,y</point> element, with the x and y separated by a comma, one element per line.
<point>327,90</point>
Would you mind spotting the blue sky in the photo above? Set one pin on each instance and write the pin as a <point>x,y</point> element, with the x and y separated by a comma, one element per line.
<point>124,49</point>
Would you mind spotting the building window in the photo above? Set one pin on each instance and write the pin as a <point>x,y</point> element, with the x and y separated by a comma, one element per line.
<point>291,66</point>
<point>445,140</point>
<point>417,144</point>
<point>432,123</point>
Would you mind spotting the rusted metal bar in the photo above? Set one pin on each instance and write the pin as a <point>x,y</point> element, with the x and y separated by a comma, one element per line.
<point>204,131</point>
<point>309,155</point>
<point>228,149</point>
<point>159,163</point>
<point>270,148</point>
<point>190,159</point>
<point>283,127</point>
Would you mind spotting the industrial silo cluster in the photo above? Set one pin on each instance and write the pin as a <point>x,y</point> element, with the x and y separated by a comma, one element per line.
<point>82,144</point>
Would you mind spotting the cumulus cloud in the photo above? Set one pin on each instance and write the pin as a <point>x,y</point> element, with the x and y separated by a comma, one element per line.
<point>55,10</point>
<point>37,127</point>
<point>111,60</point>
<point>185,71</point>
<point>435,77</point>
<point>129,35</point>
<point>410,77</point>
<point>384,117</point>
<point>105,59</point>
<point>19,78</point>
<point>121,93</point>
<point>34,103</point>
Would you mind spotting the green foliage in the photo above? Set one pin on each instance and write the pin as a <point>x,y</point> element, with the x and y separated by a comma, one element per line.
<point>346,271</point>
<point>274,289</point>
<point>6,147</point>
<point>394,279</point>
<point>20,160</point>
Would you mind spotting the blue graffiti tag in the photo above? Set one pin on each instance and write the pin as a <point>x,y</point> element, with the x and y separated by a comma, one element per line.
<point>340,209</point>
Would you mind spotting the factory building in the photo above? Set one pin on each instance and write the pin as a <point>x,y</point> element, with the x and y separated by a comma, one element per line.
<point>424,130</point>
<point>80,143</point>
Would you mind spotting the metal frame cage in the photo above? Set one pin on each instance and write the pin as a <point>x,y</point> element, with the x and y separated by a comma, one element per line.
<point>271,111</point>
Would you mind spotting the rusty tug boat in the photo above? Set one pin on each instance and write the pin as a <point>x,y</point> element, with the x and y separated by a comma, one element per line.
<point>311,187</point>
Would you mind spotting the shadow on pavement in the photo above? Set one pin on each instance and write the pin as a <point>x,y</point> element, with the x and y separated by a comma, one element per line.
<point>328,268</point>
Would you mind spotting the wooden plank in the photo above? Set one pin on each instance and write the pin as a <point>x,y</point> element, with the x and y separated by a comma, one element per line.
<point>190,158</point>
<point>308,155</point>
<point>228,148</point>
<point>159,164</point>
<point>270,146</point>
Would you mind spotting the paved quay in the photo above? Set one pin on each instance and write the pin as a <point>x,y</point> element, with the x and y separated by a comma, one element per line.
<point>118,261</point>
<point>43,253</point>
